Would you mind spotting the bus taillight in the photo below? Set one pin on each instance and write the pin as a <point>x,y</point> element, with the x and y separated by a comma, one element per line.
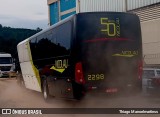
<point>79,73</point>
<point>140,69</point>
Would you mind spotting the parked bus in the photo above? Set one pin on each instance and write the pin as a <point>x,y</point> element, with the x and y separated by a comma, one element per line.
<point>87,52</point>
<point>7,65</point>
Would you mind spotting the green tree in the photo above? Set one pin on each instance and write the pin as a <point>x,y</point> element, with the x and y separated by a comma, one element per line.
<point>38,29</point>
<point>1,26</point>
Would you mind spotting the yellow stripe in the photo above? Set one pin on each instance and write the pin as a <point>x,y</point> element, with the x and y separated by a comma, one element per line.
<point>59,70</point>
<point>35,70</point>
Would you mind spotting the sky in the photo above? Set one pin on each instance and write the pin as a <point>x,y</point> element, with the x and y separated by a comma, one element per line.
<point>28,14</point>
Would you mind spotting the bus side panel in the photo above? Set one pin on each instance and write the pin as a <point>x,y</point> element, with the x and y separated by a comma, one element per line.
<point>27,67</point>
<point>51,55</point>
<point>60,87</point>
<point>29,77</point>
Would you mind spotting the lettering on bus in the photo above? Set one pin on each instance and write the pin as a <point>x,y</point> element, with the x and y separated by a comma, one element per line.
<point>60,65</point>
<point>127,54</point>
<point>112,27</point>
<point>95,77</point>
<point>130,52</point>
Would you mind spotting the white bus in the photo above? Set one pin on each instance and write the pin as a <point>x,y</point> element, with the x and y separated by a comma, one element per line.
<point>7,65</point>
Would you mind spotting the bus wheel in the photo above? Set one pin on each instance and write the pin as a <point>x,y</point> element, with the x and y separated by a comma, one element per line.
<point>45,90</point>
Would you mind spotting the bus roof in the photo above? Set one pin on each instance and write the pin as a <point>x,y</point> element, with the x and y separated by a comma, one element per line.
<point>65,20</point>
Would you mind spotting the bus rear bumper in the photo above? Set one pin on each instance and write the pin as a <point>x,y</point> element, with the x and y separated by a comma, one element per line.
<point>128,90</point>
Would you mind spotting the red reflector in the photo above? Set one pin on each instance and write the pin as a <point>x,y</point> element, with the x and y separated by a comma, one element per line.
<point>111,90</point>
<point>68,89</point>
<point>79,73</point>
<point>91,88</point>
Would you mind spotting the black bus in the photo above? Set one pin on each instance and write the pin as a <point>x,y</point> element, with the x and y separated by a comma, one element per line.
<point>87,52</point>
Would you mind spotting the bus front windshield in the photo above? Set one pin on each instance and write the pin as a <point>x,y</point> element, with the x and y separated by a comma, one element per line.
<point>5,60</point>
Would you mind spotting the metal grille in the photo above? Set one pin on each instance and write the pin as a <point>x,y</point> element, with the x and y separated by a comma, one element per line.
<point>134,4</point>
<point>148,13</point>
<point>5,68</point>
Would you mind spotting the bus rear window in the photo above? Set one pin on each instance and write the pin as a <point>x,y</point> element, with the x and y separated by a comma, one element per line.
<point>108,27</point>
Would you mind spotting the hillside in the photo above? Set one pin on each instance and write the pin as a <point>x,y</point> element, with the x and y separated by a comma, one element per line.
<point>10,37</point>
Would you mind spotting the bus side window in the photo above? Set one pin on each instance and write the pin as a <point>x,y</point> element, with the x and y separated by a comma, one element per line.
<point>63,33</point>
<point>46,45</point>
<point>33,45</point>
<point>53,37</point>
<point>52,48</point>
<point>42,43</point>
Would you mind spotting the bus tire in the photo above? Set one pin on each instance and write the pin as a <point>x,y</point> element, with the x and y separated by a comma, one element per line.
<point>78,89</point>
<point>45,90</point>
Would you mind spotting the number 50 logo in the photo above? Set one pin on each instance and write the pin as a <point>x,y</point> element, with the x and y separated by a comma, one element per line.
<point>110,29</point>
